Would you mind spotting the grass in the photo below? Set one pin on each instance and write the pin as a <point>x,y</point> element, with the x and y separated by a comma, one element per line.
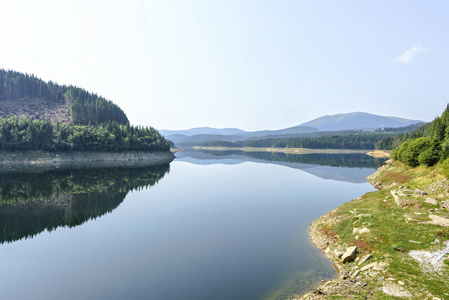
<point>395,230</point>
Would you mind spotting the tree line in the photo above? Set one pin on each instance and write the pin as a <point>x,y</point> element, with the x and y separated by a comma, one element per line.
<point>33,202</point>
<point>353,141</point>
<point>85,107</point>
<point>427,145</point>
<point>27,134</point>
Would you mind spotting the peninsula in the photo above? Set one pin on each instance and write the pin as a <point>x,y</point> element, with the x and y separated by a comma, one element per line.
<point>46,124</point>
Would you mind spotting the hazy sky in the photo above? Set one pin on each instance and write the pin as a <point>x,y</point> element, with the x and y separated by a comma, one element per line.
<point>246,64</point>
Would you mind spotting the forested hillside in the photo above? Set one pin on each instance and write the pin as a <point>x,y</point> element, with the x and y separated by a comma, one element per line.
<point>27,134</point>
<point>39,115</point>
<point>349,139</point>
<point>425,146</point>
<point>16,90</point>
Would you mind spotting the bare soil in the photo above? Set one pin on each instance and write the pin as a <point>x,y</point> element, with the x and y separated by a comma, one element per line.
<point>36,109</point>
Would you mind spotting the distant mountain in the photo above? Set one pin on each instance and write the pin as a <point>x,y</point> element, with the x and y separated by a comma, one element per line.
<point>357,121</point>
<point>203,130</point>
<point>187,139</point>
<point>325,125</point>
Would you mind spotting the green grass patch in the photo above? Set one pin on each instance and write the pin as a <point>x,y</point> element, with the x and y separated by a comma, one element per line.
<point>395,230</point>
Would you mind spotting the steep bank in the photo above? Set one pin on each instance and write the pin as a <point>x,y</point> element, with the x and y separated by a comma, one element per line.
<point>400,233</point>
<point>31,161</point>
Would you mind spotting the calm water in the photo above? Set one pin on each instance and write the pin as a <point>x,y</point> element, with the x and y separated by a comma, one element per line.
<point>209,226</point>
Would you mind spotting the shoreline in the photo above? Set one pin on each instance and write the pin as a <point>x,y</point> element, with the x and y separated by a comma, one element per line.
<point>372,240</point>
<point>348,282</point>
<point>285,150</point>
<point>38,161</point>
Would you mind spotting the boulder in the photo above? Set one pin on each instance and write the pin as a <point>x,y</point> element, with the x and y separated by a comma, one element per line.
<point>349,255</point>
<point>432,201</point>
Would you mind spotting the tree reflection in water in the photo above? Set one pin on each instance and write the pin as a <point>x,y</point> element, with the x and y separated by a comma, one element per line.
<point>34,202</point>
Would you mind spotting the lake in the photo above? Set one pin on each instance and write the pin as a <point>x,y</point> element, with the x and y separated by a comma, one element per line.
<point>211,225</point>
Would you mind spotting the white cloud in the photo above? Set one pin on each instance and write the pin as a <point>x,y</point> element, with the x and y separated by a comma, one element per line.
<point>408,55</point>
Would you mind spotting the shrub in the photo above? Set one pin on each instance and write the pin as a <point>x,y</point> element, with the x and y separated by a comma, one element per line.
<point>414,149</point>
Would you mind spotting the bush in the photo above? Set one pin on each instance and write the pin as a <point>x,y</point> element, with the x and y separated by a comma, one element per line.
<point>431,155</point>
<point>414,149</point>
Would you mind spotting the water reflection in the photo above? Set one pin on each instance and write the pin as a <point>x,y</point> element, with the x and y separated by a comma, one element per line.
<point>34,202</point>
<point>347,167</point>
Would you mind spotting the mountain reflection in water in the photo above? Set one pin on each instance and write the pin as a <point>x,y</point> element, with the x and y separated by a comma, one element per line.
<point>347,167</point>
<point>34,202</point>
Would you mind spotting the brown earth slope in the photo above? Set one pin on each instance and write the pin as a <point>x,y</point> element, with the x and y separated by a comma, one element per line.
<point>36,109</point>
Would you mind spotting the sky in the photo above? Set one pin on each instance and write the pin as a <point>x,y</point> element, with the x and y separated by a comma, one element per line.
<point>249,64</point>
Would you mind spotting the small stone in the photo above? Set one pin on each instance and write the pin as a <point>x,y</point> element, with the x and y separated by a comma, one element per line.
<point>365,258</point>
<point>364,230</point>
<point>420,192</point>
<point>432,201</point>
<point>367,267</point>
<point>355,230</point>
<point>380,266</point>
<point>338,253</point>
<point>327,250</point>
<point>349,255</point>
<point>401,282</point>
<point>355,274</point>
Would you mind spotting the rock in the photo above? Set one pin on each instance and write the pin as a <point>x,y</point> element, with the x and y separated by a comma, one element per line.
<point>327,250</point>
<point>432,201</point>
<point>364,230</point>
<point>396,290</point>
<point>338,253</point>
<point>349,255</point>
<point>355,274</point>
<point>380,266</point>
<point>364,259</point>
<point>420,192</point>
<point>401,282</point>
<point>437,220</point>
<point>367,267</point>
<point>435,242</point>
<point>364,216</point>
<point>355,230</point>
<point>444,204</point>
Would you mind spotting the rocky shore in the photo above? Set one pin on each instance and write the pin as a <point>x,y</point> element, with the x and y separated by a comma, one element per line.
<point>34,161</point>
<point>388,244</point>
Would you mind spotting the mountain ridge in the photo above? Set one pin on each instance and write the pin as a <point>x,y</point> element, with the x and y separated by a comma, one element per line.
<point>329,123</point>
<point>357,120</point>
